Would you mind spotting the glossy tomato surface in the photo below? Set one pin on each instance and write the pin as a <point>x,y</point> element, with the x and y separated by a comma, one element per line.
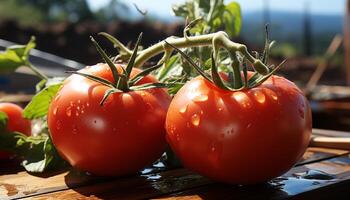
<point>243,137</point>
<point>121,137</point>
<point>15,122</point>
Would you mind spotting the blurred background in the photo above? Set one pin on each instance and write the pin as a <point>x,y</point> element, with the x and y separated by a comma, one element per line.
<point>314,36</point>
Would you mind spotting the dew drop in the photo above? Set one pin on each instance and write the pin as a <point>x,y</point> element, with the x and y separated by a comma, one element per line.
<point>183,109</point>
<point>301,113</point>
<point>69,111</point>
<point>79,101</point>
<point>249,125</point>
<point>242,99</point>
<point>71,103</point>
<point>200,98</point>
<point>177,136</point>
<point>195,119</point>
<point>272,94</point>
<point>55,111</point>
<point>212,149</point>
<point>75,129</point>
<point>143,94</point>
<point>259,96</point>
<point>77,113</point>
<point>57,97</point>
<point>87,104</point>
<point>58,125</point>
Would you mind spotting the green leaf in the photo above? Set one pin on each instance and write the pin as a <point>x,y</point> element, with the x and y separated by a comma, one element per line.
<point>107,60</point>
<point>3,121</point>
<point>188,59</point>
<point>38,152</point>
<point>232,18</point>
<point>144,73</point>
<point>39,105</point>
<point>131,62</point>
<point>166,68</point>
<point>107,94</point>
<point>15,56</point>
<point>147,86</point>
<point>93,78</point>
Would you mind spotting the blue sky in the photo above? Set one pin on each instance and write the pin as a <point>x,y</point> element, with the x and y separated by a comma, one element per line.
<point>161,8</point>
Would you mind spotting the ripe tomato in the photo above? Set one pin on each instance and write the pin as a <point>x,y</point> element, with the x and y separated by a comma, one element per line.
<point>242,137</point>
<point>15,122</point>
<point>121,137</point>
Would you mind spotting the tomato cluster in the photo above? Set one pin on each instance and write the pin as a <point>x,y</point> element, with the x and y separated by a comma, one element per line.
<point>221,134</point>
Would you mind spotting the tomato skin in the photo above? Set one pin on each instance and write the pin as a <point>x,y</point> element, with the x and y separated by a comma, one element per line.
<point>121,137</point>
<point>244,137</point>
<point>15,122</point>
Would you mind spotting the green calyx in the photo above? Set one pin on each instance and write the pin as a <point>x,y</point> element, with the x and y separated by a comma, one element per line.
<point>239,64</point>
<point>123,82</point>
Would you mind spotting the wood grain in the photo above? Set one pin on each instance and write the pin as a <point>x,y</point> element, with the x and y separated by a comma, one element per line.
<point>72,185</point>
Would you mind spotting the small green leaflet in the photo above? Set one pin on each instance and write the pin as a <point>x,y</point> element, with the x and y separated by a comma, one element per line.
<point>232,18</point>
<point>15,56</point>
<point>38,152</point>
<point>39,105</point>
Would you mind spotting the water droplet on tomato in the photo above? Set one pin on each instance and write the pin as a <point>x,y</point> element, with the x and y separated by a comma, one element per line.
<point>58,125</point>
<point>183,109</point>
<point>75,129</point>
<point>301,113</point>
<point>69,111</point>
<point>200,98</point>
<point>77,113</point>
<point>249,125</point>
<point>259,96</point>
<point>57,97</point>
<point>172,129</point>
<point>177,137</point>
<point>71,103</point>
<point>242,99</point>
<point>55,111</point>
<point>195,119</point>
<point>212,148</point>
<point>143,94</point>
<point>87,104</point>
<point>272,94</point>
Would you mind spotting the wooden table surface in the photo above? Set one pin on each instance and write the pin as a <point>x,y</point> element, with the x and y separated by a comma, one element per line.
<point>321,174</point>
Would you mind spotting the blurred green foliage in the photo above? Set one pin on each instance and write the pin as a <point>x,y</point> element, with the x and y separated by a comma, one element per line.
<point>34,12</point>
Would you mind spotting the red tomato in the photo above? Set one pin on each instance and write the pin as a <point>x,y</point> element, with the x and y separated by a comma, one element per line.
<point>243,137</point>
<point>15,122</point>
<point>121,137</point>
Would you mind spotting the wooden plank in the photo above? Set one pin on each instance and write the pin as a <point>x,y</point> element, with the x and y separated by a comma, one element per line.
<point>146,186</point>
<point>312,181</point>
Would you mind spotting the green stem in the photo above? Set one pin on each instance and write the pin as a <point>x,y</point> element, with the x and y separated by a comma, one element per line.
<point>36,71</point>
<point>218,39</point>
